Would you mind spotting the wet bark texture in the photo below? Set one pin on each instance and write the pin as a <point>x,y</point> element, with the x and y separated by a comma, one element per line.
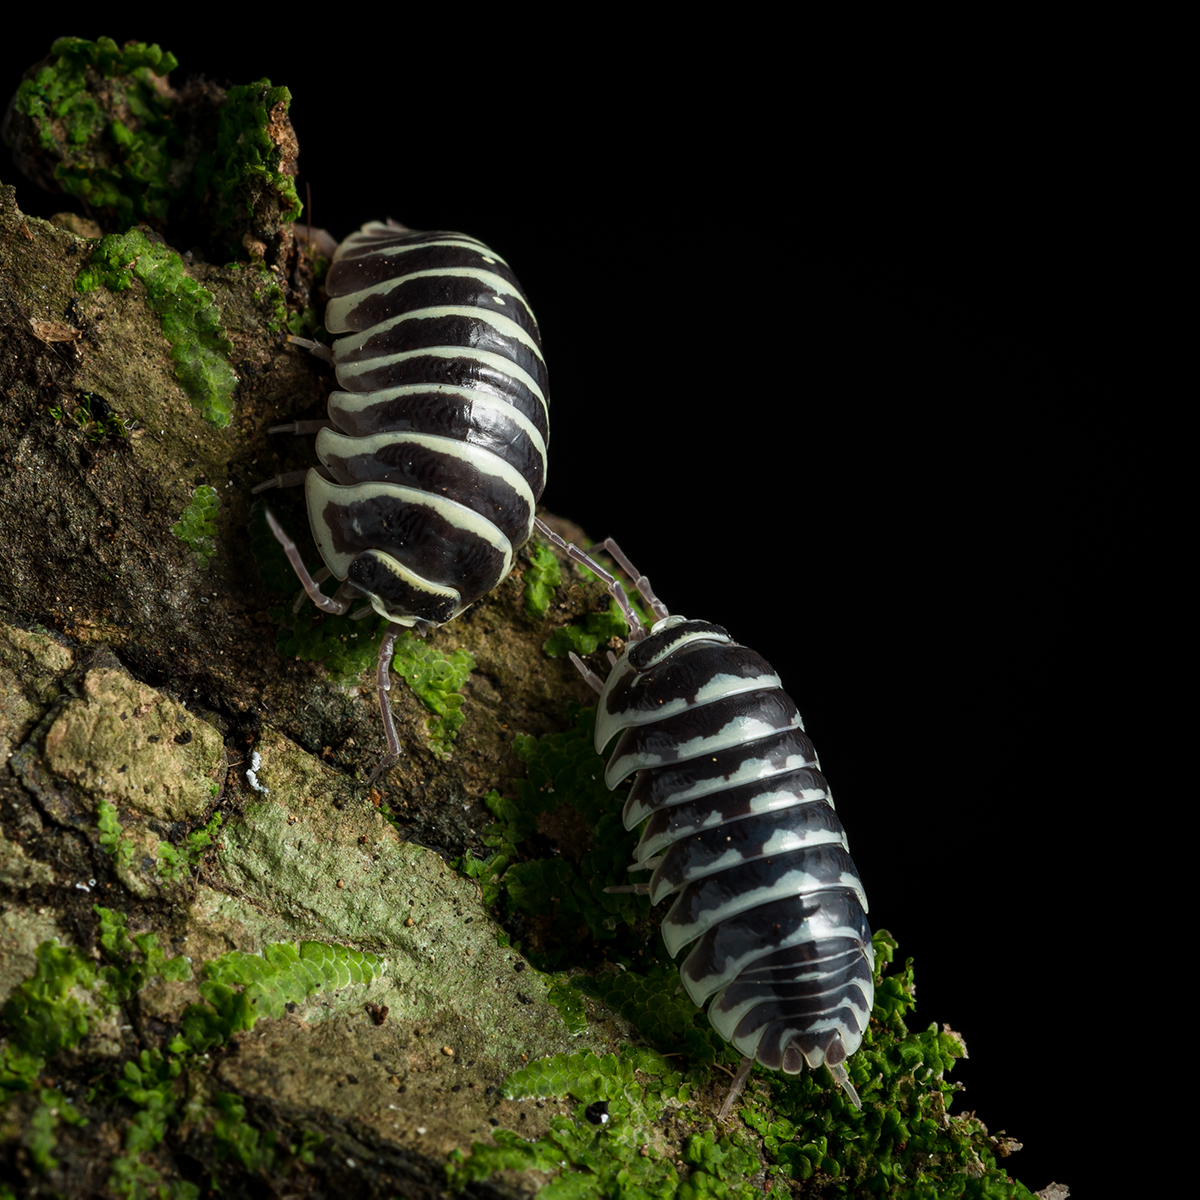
<point>136,679</point>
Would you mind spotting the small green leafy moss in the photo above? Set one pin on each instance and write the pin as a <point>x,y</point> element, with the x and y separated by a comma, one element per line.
<point>347,648</point>
<point>563,795</point>
<point>132,961</point>
<point>272,296</point>
<point>595,630</point>
<point>542,578</point>
<point>653,1003</point>
<point>111,835</point>
<point>284,974</point>
<point>191,321</point>
<point>92,416</point>
<point>244,172</point>
<point>307,324</point>
<point>43,1016</point>
<point>600,1156</point>
<point>42,1135</point>
<point>901,1144</point>
<point>53,1009</point>
<point>118,162</point>
<point>436,679</point>
<point>197,527</point>
<point>569,1003</point>
<point>175,863</point>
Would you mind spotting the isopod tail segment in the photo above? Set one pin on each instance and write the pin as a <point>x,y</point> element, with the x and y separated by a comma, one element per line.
<point>740,824</point>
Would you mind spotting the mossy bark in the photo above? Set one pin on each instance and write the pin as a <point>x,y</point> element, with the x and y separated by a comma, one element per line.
<point>135,679</point>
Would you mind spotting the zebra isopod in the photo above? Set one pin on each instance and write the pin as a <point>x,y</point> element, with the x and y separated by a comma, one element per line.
<point>434,454</point>
<point>741,829</point>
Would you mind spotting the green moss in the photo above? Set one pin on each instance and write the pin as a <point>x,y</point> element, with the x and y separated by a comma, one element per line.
<point>96,108</point>
<point>272,296</point>
<point>92,417</point>
<point>197,527</point>
<point>595,630</point>
<point>800,1130</point>
<point>542,577</point>
<point>569,1003</point>
<point>175,863</point>
<point>191,321</point>
<point>244,173</point>
<point>95,122</point>
<point>239,988</point>
<point>436,679</point>
<point>53,1010</point>
<point>563,792</point>
<point>43,1016</point>
<point>112,837</point>
<point>590,1156</point>
<point>42,1135</point>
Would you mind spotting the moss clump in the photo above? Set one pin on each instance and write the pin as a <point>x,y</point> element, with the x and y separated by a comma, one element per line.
<point>542,577</point>
<point>600,1149</point>
<point>158,1091</point>
<point>239,988</point>
<point>197,528</point>
<point>111,836</point>
<point>191,321</point>
<point>436,679</point>
<point>93,417</point>
<point>174,863</point>
<point>249,172</point>
<point>43,1015</point>
<point>802,1133</point>
<point>99,122</point>
<point>555,895</point>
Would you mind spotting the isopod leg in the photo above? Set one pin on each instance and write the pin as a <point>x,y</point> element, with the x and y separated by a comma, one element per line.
<point>329,604</point>
<point>290,479</point>
<point>839,1073</point>
<point>735,1088</point>
<point>636,632</point>
<point>656,606</point>
<point>383,679</point>
<point>590,677</point>
<point>318,348</point>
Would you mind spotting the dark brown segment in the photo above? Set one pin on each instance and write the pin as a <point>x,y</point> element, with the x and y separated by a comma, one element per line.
<point>439,474</point>
<point>420,538</point>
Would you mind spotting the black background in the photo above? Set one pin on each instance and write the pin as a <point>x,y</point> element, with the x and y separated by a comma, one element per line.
<point>809,323</point>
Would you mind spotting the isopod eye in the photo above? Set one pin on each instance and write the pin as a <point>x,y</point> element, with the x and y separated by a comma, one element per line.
<point>597,1113</point>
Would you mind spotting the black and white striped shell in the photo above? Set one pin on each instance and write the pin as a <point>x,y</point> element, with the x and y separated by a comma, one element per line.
<point>438,451</point>
<point>768,896</point>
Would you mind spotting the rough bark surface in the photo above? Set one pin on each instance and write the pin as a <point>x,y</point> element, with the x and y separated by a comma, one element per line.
<point>134,678</point>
